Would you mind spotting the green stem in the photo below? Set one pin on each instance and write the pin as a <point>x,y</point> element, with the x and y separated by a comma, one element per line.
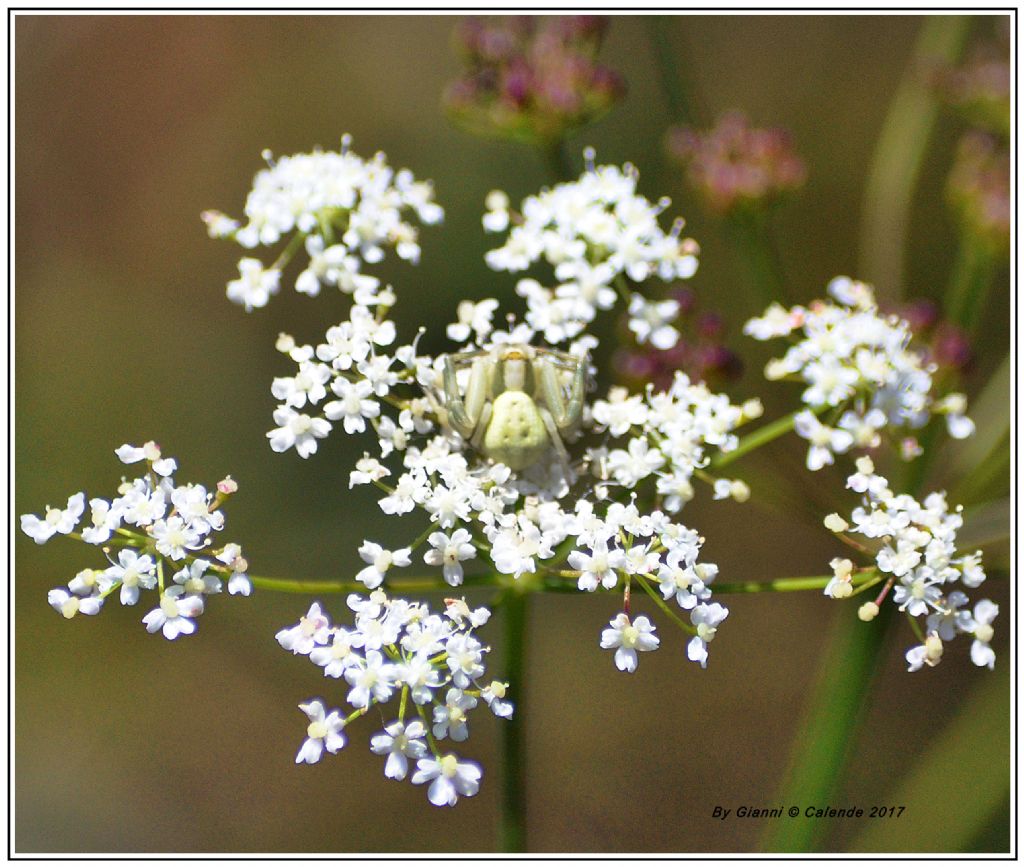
<point>828,733</point>
<point>787,585</point>
<point>557,161</point>
<point>750,233</point>
<point>673,85</point>
<point>758,438</point>
<point>513,791</point>
<point>650,591</point>
<point>970,282</point>
<point>423,584</point>
<point>900,152</point>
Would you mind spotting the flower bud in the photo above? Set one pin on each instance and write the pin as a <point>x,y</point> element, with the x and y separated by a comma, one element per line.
<point>835,523</point>
<point>868,611</point>
<point>734,164</point>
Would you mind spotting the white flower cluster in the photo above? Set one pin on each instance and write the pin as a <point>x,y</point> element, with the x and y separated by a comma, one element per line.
<point>667,435</point>
<point>172,525</point>
<point>569,516</point>
<point>345,210</point>
<point>350,368</point>
<point>399,650</point>
<point>918,558</point>
<point>858,365</point>
<point>537,522</point>
<point>594,232</point>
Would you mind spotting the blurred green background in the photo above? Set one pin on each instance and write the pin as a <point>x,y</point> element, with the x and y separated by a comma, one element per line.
<point>127,128</point>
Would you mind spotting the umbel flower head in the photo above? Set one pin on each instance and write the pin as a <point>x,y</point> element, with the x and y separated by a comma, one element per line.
<point>917,558</point>
<point>399,652</point>
<point>155,535</point>
<point>344,210</point>
<point>531,79</point>
<point>500,447</point>
<point>857,365</point>
<point>735,165</point>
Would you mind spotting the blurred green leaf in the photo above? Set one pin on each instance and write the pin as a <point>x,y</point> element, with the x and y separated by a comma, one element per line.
<point>960,760</point>
<point>991,414</point>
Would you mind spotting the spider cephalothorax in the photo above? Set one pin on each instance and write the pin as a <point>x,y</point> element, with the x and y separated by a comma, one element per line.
<point>514,407</point>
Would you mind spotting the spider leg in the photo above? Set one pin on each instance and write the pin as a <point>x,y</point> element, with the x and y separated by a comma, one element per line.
<point>461,358</point>
<point>481,427</point>
<point>565,415</point>
<point>464,412</point>
<point>578,394</point>
<point>556,439</point>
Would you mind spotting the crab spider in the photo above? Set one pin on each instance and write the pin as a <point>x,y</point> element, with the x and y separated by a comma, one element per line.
<point>514,409</point>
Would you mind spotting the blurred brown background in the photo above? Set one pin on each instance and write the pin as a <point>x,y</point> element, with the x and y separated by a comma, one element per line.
<point>128,127</point>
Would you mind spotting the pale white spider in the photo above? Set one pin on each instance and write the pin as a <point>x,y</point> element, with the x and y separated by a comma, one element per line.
<point>515,407</point>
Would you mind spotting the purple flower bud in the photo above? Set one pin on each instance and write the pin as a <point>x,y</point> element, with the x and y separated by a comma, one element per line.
<point>531,78</point>
<point>735,163</point>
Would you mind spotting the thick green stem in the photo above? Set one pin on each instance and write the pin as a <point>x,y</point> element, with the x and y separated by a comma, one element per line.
<point>681,108</point>
<point>750,233</point>
<point>557,160</point>
<point>900,151</point>
<point>829,731</point>
<point>513,788</point>
<point>970,282</point>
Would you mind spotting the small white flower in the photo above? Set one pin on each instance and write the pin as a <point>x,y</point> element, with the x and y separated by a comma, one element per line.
<point>494,696</point>
<point>371,679</point>
<point>174,614</point>
<point>599,567</point>
<point>313,629</point>
<point>980,626</point>
<point>297,430</point>
<point>133,572</point>
<point>448,778</point>
<point>68,605</point>
<point>325,731</point>
<point>420,675</point>
<point>197,580</point>
<point>254,285</point>
<point>824,439</point>
<point>707,619</point>
<point>380,560</point>
<point>474,319</point>
<point>400,742</point>
<point>649,321</point>
<point>54,520</point>
<point>449,552</point>
<point>627,638</point>
<point>450,718</point>
<point>465,655</point>
<point>105,520</point>
<point>174,538</point>
<point>354,405</point>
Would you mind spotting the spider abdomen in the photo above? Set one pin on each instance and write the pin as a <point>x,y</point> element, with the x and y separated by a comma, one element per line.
<point>516,435</point>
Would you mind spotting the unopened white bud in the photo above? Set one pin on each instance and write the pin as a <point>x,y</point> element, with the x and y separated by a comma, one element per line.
<point>868,611</point>
<point>752,408</point>
<point>866,466</point>
<point>841,567</point>
<point>739,491</point>
<point>933,649</point>
<point>835,523</point>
